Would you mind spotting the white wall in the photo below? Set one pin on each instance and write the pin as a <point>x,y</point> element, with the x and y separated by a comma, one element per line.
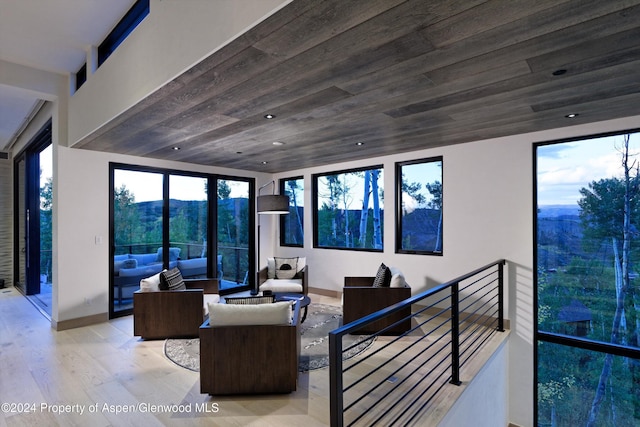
<point>171,39</point>
<point>488,215</point>
<point>484,401</point>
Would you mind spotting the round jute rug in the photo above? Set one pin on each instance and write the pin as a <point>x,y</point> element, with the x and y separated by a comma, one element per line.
<point>314,352</point>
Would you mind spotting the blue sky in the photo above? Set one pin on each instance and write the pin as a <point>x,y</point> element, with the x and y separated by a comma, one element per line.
<point>563,169</point>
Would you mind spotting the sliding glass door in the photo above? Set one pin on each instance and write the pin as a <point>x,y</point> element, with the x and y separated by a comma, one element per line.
<point>137,232</point>
<point>160,220</point>
<point>33,189</point>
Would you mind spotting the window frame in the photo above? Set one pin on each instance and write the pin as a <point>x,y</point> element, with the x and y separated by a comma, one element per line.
<point>542,336</point>
<point>212,221</point>
<point>315,207</point>
<point>123,28</point>
<point>283,218</point>
<point>399,205</point>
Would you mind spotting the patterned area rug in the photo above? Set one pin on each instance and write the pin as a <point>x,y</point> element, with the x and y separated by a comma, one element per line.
<point>314,352</point>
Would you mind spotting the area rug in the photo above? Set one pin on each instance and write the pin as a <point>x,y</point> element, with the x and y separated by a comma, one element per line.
<point>314,352</point>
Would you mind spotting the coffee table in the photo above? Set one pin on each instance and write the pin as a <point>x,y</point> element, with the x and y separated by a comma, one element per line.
<point>292,296</point>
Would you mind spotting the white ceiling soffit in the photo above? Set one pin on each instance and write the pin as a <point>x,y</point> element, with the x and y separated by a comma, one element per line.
<point>48,35</point>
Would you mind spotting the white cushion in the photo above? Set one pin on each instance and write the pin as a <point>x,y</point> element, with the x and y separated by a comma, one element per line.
<point>277,313</point>
<point>397,278</point>
<point>150,284</point>
<point>210,299</point>
<point>282,285</point>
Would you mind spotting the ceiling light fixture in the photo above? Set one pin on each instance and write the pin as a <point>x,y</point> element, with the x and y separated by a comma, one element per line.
<point>269,116</point>
<point>359,144</point>
<point>175,148</point>
<point>264,162</point>
<point>277,143</point>
<point>572,115</point>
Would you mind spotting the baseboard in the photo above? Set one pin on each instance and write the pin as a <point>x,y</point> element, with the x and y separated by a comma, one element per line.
<point>79,322</point>
<point>324,292</point>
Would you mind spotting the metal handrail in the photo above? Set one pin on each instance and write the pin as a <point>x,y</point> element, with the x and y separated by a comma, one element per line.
<point>475,330</point>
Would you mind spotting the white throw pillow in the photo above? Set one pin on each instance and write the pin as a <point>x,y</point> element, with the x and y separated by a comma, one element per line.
<point>271,268</point>
<point>151,284</point>
<point>277,313</point>
<point>397,278</point>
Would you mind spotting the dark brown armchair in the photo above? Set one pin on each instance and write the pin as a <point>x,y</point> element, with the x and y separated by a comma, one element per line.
<point>172,314</point>
<point>249,359</point>
<point>360,299</point>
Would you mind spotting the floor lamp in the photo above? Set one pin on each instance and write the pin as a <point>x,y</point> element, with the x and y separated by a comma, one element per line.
<point>269,204</point>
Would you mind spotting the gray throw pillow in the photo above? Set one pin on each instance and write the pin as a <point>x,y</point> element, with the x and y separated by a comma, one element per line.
<point>171,280</point>
<point>383,277</point>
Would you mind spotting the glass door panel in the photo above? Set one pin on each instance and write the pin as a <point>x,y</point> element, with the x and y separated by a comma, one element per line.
<point>137,232</point>
<point>233,233</point>
<point>188,225</point>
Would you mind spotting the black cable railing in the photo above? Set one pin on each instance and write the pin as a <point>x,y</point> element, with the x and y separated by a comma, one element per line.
<point>394,383</point>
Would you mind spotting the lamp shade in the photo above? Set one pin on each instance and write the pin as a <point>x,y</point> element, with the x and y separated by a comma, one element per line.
<point>273,204</point>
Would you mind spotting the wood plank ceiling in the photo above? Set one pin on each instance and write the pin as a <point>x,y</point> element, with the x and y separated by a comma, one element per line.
<point>395,75</point>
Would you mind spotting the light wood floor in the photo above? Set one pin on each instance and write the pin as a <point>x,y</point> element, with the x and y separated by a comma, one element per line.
<point>103,368</point>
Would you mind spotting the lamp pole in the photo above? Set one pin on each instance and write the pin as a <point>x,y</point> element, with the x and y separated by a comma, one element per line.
<point>272,204</point>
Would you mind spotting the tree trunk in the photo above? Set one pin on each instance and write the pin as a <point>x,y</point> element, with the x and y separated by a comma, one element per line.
<point>377,229</point>
<point>293,188</point>
<point>438,247</point>
<point>364,214</point>
<point>622,284</point>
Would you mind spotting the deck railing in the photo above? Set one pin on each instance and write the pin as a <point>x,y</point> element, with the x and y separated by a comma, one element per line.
<point>395,383</point>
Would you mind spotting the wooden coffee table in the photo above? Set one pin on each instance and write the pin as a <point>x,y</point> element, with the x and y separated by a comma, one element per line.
<point>292,296</point>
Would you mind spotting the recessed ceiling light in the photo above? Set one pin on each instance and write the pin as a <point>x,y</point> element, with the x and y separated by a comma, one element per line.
<point>559,72</point>
<point>277,143</point>
<point>572,115</point>
<point>269,116</point>
<point>175,148</point>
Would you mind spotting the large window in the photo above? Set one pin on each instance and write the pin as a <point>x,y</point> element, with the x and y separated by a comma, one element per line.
<point>587,286</point>
<point>292,225</point>
<point>349,209</point>
<point>419,206</point>
<point>160,220</point>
